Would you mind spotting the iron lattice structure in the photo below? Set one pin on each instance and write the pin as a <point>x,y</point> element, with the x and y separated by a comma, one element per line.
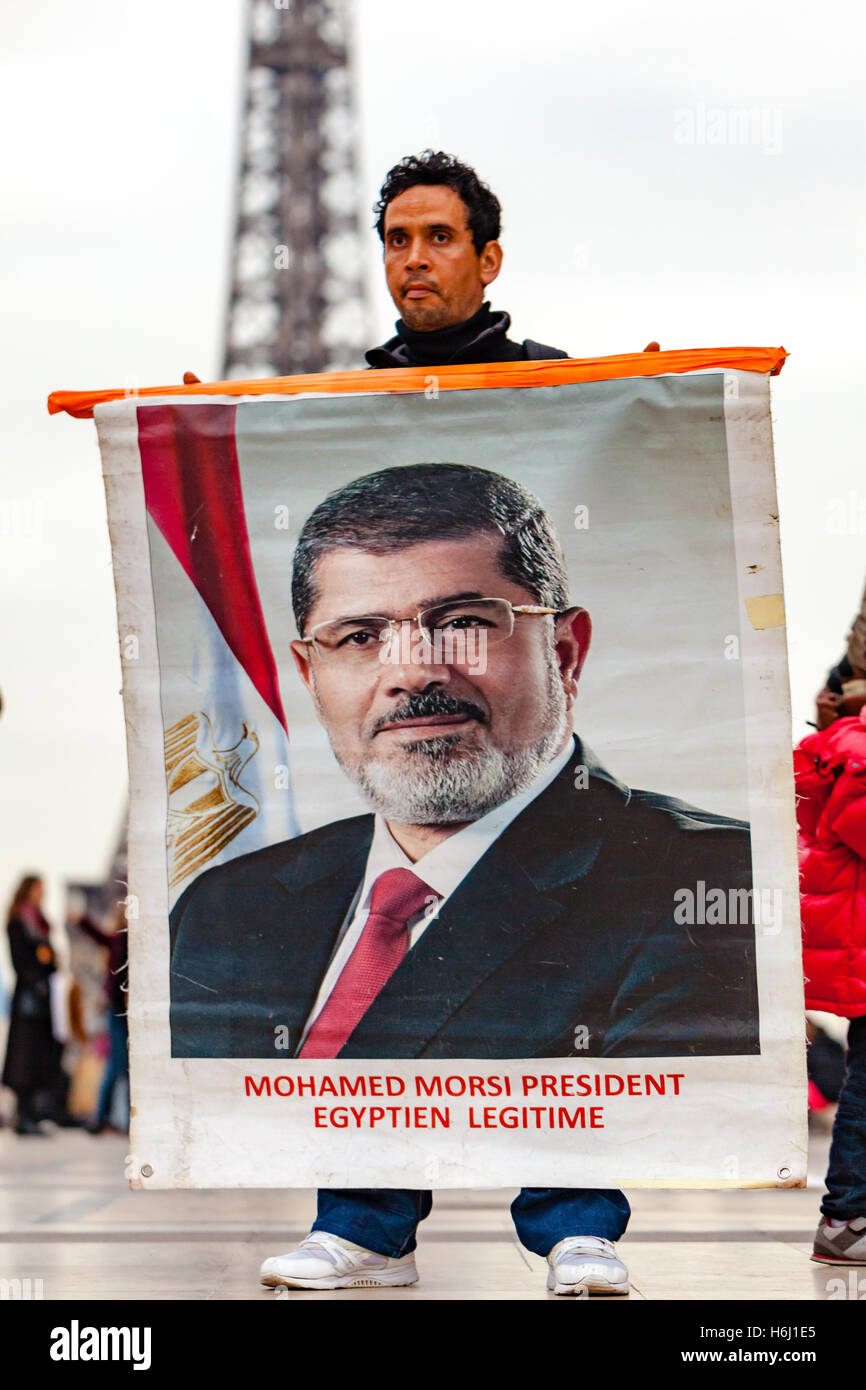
<point>298,298</point>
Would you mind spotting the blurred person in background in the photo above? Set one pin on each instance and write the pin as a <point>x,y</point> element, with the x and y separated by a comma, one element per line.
<point>844,691</point>
<point>113,937</point>
<point>830,781</point>
<point>32,1067</point>
<point>825,1067</point>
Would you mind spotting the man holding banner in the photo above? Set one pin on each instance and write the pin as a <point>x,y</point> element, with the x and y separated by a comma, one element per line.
<point>439,226</point>
<point>445,874</point>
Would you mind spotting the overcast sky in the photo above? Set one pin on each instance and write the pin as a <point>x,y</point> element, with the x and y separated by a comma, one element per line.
<point>622,223</point>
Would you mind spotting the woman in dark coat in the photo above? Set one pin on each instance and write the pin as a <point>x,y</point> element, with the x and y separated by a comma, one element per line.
<point>32,1052</point>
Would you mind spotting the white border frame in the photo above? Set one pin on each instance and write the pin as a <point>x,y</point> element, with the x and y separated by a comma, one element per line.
<point>191,1123</point>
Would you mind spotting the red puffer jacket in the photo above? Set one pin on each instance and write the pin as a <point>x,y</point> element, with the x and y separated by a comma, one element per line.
<point>830,778</point>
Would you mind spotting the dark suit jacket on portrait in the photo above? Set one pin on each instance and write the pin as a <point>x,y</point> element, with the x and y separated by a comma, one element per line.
<point>562,941</point>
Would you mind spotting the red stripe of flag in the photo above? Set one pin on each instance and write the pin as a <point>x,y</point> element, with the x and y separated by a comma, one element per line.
<point>192,488</point>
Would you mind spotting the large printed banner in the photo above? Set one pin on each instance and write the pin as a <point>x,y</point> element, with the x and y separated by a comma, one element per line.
<point>461,842</point>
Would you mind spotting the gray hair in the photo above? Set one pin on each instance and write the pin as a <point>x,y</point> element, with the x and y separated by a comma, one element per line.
<point>404,506</point>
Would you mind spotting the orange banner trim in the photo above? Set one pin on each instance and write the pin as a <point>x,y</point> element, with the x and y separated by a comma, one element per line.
<point>559,372</point>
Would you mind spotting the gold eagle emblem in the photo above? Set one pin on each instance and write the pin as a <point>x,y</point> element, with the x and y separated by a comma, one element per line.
<point>207,805</point>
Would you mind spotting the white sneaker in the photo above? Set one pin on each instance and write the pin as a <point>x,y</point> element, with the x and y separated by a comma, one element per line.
<point>586,1264</point>
<point>324,1261</point>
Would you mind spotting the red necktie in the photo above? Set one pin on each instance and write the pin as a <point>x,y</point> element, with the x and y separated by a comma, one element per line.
<point>397,896</point>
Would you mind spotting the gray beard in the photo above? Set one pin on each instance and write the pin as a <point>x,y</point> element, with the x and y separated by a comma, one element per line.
<point>437,784</point>
<point>442,787</point>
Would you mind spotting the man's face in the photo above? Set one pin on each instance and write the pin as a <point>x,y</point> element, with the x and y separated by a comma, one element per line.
<point>429,742</point>
<point>435,275</point>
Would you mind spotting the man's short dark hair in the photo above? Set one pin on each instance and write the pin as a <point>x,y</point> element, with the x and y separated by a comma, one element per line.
<point>483,212</point>
<point>404,506</point>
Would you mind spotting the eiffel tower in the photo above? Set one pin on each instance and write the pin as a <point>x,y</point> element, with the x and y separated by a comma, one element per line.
<point>297,301</point>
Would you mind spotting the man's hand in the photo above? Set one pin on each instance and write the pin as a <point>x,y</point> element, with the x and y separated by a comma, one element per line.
<point>826,707</point>
<point>190,379</point>
<point>652,347</point>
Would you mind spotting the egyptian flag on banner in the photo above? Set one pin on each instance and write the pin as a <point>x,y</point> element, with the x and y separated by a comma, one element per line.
<point>226,737</point>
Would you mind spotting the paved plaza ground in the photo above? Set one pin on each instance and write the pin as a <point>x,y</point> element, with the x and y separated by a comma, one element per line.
<point>67,1218</point>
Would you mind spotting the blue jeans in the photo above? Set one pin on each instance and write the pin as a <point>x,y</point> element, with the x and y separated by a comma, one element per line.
<point>385,1219</point>
<point>117,1065</point>
<point>846,1174</point>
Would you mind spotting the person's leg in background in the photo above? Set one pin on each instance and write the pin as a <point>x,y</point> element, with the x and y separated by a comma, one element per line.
<point>106,1090</point>
<point>116,1066</point>
<point>58,1102</point>
<point>841,1234</point>
<point>118,1035</point>
<point>575,1228</point>
<point>27,1118</point>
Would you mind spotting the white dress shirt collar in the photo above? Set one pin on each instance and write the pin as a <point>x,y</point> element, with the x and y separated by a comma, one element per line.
<point>443,869</point>
<point>448,863</point>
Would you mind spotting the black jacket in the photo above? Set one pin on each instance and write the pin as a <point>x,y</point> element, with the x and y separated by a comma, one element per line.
<point>483,338</point>
<point>32,1054</point>
<point>561,942</point>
